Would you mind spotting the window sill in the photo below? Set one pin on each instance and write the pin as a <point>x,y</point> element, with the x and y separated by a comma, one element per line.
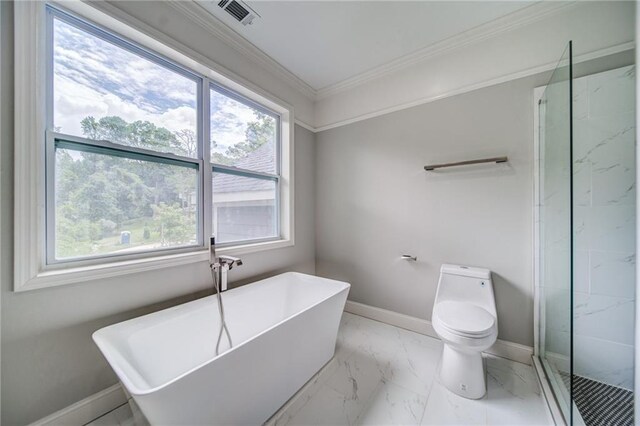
<point>255,247</point>
<point>53,278</point>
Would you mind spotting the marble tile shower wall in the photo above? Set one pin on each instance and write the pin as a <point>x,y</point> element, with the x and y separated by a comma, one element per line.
<point>604,226</point>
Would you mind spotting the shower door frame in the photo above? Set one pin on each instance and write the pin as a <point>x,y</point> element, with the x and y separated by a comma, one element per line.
<point>545,384</point>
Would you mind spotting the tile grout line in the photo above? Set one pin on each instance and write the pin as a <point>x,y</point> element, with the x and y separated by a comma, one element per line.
<point>107,413</point>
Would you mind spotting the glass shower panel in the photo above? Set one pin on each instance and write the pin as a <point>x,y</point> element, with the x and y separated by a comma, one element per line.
<point>556,246</point>
<point>604,199</point>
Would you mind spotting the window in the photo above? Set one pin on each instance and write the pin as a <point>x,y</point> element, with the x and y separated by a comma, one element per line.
<point>138,155</point>
<point>110,201</point>
<point>122,167</point>
<point>245,158</point>
<point>108,89</point>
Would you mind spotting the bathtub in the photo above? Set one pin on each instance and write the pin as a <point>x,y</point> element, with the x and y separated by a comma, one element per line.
<point>283,328</point>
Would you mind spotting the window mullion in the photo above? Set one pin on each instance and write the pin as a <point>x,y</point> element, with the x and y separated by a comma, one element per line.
<point>50,202</point>
<point>123,153</point>
<point>107,146</point>
<point>243,172</point>
<point>49,69</point>
<point>205,152</point>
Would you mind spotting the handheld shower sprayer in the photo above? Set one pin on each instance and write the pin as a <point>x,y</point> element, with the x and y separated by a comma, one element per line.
<point>212,252</point>
<point>219,267</point>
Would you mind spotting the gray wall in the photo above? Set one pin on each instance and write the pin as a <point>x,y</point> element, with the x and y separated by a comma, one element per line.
<point>48,358</point>
<point>375,202</point>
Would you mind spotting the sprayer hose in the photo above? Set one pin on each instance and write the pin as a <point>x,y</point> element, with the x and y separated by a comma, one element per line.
<point>223,322</point>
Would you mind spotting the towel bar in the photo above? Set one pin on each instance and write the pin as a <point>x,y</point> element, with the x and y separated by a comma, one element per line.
<point>466,163</point>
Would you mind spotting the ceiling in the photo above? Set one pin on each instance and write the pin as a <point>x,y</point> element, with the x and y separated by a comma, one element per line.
<point>327,42</point>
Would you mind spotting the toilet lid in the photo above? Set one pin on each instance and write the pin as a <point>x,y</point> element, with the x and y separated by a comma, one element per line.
<point>465,318</point>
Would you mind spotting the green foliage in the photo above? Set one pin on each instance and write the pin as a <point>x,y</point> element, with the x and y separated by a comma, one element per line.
<point>140,134</point>
<point>99,196</point>
<point>187,143</point>
<point>172,224</point>
<point>218,157</point>
<point>257,134</point>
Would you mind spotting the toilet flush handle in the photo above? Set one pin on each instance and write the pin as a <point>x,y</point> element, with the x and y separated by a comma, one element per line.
<point>409,257</point>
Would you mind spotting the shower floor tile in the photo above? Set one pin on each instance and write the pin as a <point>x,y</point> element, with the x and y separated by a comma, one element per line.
<point>385,375</point>
<point>599,403</point>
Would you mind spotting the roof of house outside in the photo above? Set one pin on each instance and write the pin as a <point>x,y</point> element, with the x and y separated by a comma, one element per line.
<point>262,160</point>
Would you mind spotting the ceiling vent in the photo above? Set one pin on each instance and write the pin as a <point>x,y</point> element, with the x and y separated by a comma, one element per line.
<point>240,11</point>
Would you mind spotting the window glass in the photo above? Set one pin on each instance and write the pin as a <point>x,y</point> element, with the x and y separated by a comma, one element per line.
<point>102,91</point>
<point>244,208</point>
<point>241,135</point>
<point>108,204</point>
<point>135,196</point>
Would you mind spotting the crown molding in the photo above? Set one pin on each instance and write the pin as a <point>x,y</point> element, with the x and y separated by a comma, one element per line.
<point>509,22</point>
<point>305,125</point>
<point>220,30</point>
<point>479,85</point>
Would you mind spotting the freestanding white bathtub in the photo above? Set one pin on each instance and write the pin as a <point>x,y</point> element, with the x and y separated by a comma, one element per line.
<point>283,328</point>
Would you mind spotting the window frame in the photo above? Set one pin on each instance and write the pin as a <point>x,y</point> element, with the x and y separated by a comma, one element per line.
<point>34,140</point>
<point>51,138</point>
<point>235,171</point>
<point>102,147</point>
<point>239,171</point>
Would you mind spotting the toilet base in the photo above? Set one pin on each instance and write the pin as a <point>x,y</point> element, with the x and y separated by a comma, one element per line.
<point>462,372</point>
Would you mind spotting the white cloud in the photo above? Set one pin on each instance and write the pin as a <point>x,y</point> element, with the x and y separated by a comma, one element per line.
<point>95,78</point>
<point>179,118</point>
<point>229,120</point>
<point>73,102</point>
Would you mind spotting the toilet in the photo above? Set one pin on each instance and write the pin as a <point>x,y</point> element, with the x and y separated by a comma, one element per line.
<point>464,317</point>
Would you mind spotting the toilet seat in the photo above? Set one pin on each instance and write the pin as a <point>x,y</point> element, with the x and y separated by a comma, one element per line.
<point>464,319</point>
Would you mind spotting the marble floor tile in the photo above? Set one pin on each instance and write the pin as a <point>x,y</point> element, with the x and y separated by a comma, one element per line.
<point>446,408</point>
<point>375,339</point>
<point>513,395</point>
<point>329,407</point>
<point>516,378</point>
<point>291,408</point>
<point>415,363</point>
<point>394,405</point>
<point>357,377</point>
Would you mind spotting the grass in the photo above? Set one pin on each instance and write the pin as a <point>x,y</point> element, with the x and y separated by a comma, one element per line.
<point>112,243</point>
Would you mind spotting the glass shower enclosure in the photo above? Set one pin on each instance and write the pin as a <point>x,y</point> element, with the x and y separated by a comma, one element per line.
<point>585,242</point>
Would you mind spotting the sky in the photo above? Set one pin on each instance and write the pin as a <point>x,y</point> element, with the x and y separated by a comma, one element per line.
<point>93,77</point>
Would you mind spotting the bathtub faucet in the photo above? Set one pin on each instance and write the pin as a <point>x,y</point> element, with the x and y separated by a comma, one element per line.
<point>220,265</point>
<point>230,261</point>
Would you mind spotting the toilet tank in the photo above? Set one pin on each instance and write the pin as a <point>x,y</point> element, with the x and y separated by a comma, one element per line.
<point>466,284</point>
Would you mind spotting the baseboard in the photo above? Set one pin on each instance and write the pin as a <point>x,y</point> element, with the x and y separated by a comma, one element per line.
<point>393,318</point>
<point>502,348</point>
<point>88,409</point>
